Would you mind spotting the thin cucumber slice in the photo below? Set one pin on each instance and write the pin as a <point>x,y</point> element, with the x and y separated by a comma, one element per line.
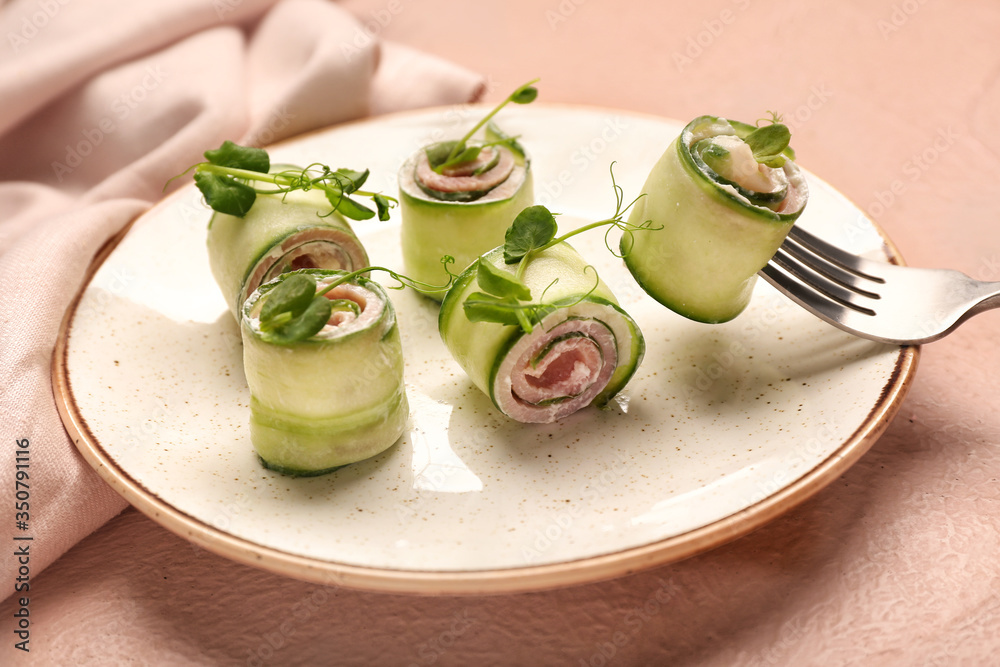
<point>278,234</point>
<point>586,320</point>
<point>330,400</point>
<point>711,240</point>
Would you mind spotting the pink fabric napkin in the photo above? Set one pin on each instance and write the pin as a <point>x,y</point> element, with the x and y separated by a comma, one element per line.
<point>101,102</point>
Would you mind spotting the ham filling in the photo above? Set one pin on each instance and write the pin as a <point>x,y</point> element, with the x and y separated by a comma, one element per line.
<point>316,248</point>
<point>464,178</point>
<point>556,370</point>
<point>342,322</point>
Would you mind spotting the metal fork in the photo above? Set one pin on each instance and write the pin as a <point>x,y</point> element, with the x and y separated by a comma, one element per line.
<point>877,300</point>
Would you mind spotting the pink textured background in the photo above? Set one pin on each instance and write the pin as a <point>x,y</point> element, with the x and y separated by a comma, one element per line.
<point>896,563</point>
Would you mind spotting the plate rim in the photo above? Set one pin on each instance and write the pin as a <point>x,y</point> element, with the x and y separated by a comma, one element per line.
<point>519,579</point>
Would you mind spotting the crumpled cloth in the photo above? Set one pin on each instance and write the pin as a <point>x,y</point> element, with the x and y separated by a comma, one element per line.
<point>101,102</point>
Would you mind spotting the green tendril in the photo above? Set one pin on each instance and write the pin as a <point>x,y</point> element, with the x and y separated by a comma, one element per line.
<point>505,298</point>
<point>227,179</point>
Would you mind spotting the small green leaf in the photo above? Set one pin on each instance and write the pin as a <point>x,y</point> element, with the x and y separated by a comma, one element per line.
<point>773,161</point>
<point>500,283</point>
<point>225,194</point>
<point>481,307</point>
<point>233,155</point>
<point>768,142</point>
<point>348,207</point>
<point>439,152</point>
<point>357,178</point>
<point>524,95</point>
<point>467,154</point>
<point>307,324</point>
<point>292,295</point>
<point>382,204</point>
<point>532,228</point>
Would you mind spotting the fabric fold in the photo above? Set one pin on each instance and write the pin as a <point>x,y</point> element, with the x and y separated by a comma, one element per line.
<point>105,101</point>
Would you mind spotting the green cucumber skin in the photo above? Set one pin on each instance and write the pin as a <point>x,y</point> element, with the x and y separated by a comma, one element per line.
<point>703,263</point>
<point>300,448</point>
<point>235,245</point>
<point>320,404</point>
<point>430,230</point>
<point>479,347</point>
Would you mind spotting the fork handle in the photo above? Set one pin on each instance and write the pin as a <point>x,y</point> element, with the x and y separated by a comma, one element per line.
<point>990,297</point>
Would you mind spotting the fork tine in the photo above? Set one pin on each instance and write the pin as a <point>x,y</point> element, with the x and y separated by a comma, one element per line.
<point>823,266</point>
<point>803,294</point>
<point>843,259</point>
<point>803,277</point>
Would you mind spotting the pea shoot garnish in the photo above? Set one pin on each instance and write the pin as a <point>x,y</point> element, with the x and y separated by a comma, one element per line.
<point>230,173</point>
<point>449,154</point>
<point>296,308</point>
<point>504,298</point>
<point>769,143</point>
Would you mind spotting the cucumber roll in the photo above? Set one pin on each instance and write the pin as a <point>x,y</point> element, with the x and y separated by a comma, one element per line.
<point>334,397</point>
<point>582,349</point>
<point>281,232</point>
<point>457,198</point>
<point>461,212</point>
<point>720,201</point>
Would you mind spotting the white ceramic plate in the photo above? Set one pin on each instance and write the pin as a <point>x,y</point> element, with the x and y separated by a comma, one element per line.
<point>723,427</point>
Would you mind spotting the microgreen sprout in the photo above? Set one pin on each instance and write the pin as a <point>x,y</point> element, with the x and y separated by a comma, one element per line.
<point>228,179</point>
<point>450,154</point>
<point>770,142</point>
<point>296,309</point>
<point>505,298</point>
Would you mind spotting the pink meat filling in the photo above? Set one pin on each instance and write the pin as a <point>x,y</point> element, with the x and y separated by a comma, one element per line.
<point>342,321</point>
<point>464,178</point>
<point>316,248</point>
<point>568,377</point>
<point>567,369</point>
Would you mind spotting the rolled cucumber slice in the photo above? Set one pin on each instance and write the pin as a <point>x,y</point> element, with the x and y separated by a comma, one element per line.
<point>581,353</point>
<point>431,228</point>
<point>330,400</point>
<point>279,234</point>
<point>716,232</point>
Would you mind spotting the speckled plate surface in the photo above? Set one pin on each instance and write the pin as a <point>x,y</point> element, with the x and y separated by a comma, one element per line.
<point>723,427</point>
